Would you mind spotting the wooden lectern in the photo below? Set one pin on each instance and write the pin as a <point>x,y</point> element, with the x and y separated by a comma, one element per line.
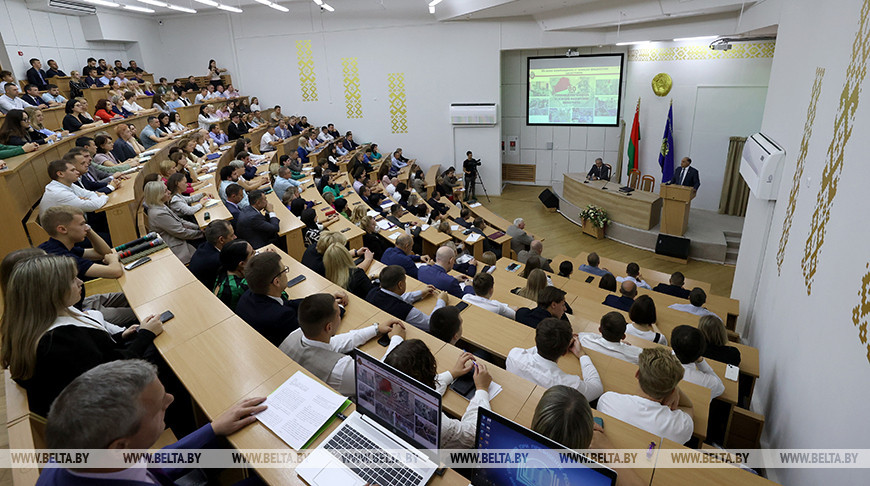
<point>675,211</point>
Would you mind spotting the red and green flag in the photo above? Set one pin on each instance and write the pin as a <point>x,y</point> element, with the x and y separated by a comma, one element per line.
<point>633,143</point>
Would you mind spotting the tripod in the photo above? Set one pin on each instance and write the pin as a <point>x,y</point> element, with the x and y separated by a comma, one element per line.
<point>482,186</point>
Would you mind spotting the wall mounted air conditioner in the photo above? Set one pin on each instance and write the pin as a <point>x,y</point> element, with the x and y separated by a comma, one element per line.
<point>761,166</point>
<point>65,7</point>
<point>473,114</point>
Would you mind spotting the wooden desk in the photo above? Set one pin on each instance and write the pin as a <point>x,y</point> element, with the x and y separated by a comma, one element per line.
<point>289,226</point>
<point>121,213</point>
<point>159,277</point>
<point>652,277</point>
<point>729,476</point>
<point>431,178</point>
<point>640,210</point>
<point>313,282</point>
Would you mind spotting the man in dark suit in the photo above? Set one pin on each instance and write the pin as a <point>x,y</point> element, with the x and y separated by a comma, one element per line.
<point>264,306</point>
<point>628,289</point>
<point>206,260</point>
<point>235,194</point>
<point>255,227</point>
<point>53,70</point>
<point>551,303</point>
<point>599,171</point>
<point>464,216</point>
<point>675,287</point>
<point>90,180</point>
<point>32,98</point>
<point>35,75</point>
<point>236,127</point>
<point>685,175</point>
<point>348,142</point>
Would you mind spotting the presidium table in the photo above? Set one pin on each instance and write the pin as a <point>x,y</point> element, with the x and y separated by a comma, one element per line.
<point>640,209</point>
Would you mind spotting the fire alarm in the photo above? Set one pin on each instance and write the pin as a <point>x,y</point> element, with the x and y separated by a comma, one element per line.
<point>20,53</point>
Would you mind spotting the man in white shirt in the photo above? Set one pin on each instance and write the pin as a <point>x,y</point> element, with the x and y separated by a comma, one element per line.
<point>130,103</point>
<point>62,191</point>
<point>316,347</point>
<point>397,160</point>
<point>202,97</point>
<point>697,299</point>
<point>269,141</point>
<point>632,270</point>
<point>689,345</point>
<point>108,76</point>
<point>554,339</point>
<point>325,136</point>
<point>392,298</point>
<point>609,342</point>
<point>484,286</point>
<point>658,405</point>
<point>10,99</point>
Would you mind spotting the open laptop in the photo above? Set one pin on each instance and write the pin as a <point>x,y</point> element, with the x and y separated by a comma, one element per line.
<point>394,412</point>
<point>495,432</point>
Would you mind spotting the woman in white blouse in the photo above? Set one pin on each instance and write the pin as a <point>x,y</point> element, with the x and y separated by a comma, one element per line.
<point>207,116</point>
<point>214,73</point>
<point>184,206</point>
<point>255,104</point>
<point>175,123</point>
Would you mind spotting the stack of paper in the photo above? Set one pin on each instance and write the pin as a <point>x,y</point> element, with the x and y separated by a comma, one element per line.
<point>473,237</point>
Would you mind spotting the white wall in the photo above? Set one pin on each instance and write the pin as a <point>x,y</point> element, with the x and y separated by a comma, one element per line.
<point>814,360</point>
<point>46,35</point>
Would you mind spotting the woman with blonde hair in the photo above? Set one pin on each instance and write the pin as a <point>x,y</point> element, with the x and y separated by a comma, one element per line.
<point>47,343</point>
<point>535,282</point>
<point>37,120</point>
<point>717,341</point>
<point>176,232</point>
<point>341,271</point>
<point>372,239</point>
<point>359,212</point>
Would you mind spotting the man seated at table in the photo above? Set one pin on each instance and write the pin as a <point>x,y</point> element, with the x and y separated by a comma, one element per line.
<point>151,134</point>
<point>397,160</point>
<point>403,255</point>
<point>689,346</point>
<point>484,287</point>
<point>658,405</point>
<point>697,299</point>
<point>609,341</point>
<point>591,265</point>
<point>53,70</point>
<point>463,219</point>
<point>62,190</point>
<point>392,298</point>
<point>446,324</point>
<point>520,240</point>
<point>66,227</point>
<point>205,262</point>
<point>554,339</point>
<point>35,75</point>
<point>551,303</point>
<point>269,141</point>
<point>599,171</point>
<point>283,181</point>
<point>437,275</point>
<point>632,270</point>
<point>53,96</point>
<point>90,179</point>
<point>230,176</point>
<point>31,97</point>
<point>317,348</point>
<point>628,291</point>
<point>107,77</point>
<point>10,100</point>
<point>536,247</point>
<point>264,306</point>
<point>216,134</point>
<point>121,405</point>
<point>258,229</point>
<point>674,287</point>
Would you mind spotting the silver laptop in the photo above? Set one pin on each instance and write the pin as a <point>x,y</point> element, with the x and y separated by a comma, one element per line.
<point>395,415</point>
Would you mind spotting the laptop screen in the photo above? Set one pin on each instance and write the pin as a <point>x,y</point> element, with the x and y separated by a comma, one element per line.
<point>495,432</point>
<point>398,402</point>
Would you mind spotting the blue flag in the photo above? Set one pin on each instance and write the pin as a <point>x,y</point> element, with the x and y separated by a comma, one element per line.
<point>666,155</point>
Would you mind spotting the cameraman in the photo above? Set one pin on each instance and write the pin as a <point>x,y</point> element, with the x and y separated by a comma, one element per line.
<point>469,167</point>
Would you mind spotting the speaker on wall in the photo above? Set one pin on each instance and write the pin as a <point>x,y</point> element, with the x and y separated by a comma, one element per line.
<point>549,199</point>
<point>673,246</point>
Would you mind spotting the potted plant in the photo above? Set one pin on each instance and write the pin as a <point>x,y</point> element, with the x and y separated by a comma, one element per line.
<point>594,219</point>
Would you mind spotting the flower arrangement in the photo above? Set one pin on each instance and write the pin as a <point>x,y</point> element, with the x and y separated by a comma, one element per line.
<point>595,215</point>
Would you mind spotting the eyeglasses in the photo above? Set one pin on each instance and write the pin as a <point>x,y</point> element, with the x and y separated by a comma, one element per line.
<point>286,269</point>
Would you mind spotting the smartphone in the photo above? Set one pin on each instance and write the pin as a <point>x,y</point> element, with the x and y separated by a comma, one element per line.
<point>512,267</point>
<point>485,269</point>
<point>384,340</point>
<point>345,229</point>
<point>599,421</point>
<point>296,280</point>
<point>590,278</point>
<point>268,191</point>
<point>358,260</point>
<point>166,316</point>
<point>137,263</point>
<point>461,306</point>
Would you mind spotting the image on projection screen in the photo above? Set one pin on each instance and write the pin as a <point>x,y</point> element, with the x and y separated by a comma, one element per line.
<point>582,90</point>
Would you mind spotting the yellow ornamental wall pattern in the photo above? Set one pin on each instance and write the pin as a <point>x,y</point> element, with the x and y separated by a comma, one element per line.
<point>799,168</point>
<point>352,95</point>
<point>848,106</point>
<point>307,78</point>
<point>739,50</point>
<point>398,106</point>
<point>860,312</point>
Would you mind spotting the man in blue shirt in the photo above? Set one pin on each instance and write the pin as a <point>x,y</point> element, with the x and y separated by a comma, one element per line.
<point>151,134</point>
<point>592,261</point>
<point>219,137</point>
<point>403,255</point>
<point>284,181</point>
<point>437,275</point>
<point>53,97</point>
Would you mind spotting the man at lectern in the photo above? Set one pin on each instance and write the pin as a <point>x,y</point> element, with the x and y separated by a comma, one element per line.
<point>599,171</point>
<point>685,175</point>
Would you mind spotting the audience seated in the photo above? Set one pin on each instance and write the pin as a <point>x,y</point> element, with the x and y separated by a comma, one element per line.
<point>151,133</point>
<point>53,70</point>
<point>264,305</point>
<point>53,96</point>
<point>36,75</point>
<point>716,337</point>
<point>341,271</point>
<point>16,130</point>
<point>31,96</point>
<point>674,287</point>
<point>317,348</point>
<point>535,283</point>
<point>10,100</point>
<point>62,190</point>
<point>414,358</point>
<point>230,176</point>
<point>484,286</point>
<point>205,262</point>
<point>392,298</point>
<point>591,266</point>
<point>126,148</point>
<point>689,346</point>
<point>230,283</point>
<point>47,343</point>
<point>520,240</point>
<point>643,315</point>
<point>697,299</point>
<point>609,341</point>
<point>554,339</point>
<point>313,256</point>
<point>77,85</point>
<point>175,232</point>
<point>446,324</point>
<point>566,268</point>
<point>607,282</point>
<point>76,118</point>
<point>437,276</point>
<point>257,228</point>
<point>658,406</point>
<point>628,291</point>
<point>535,249</point>
<point>551,303</point>
<point>632,270</point>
